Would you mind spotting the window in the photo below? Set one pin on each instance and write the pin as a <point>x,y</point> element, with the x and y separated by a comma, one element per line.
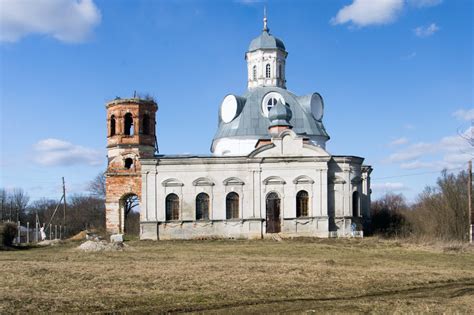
<point>172,207</point>
<point>254,73</point>
<point>279,71</point>
<point>232,206</point>
<point>128,124</point>
<point>302,204</point>
<point>112,125</point>
<point>271,102</point>
<point>128,163</point>
<point>267,71</point>
<point>355,204</point>
<point>146,124</point>
<point>202,206</point>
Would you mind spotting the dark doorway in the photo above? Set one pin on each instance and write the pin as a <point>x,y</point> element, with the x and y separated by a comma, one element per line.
<point>273,213</point>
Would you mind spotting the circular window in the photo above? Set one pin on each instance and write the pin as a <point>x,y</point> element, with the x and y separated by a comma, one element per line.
<point>269,101</point>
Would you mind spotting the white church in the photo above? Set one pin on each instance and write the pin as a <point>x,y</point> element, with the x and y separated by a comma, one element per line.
<point>269,171</point>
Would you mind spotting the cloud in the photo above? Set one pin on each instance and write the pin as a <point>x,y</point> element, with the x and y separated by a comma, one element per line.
<point>399,141</point>
<point>66,20</point>
<point>426,31</point>
<point>424,3</point>
<point>369,12</point>
<point>248,2</point>
<point>56,152</point>
<point>448,152</point>
<point>384,187</point>
<point>409,56</point>
<point>464,114</point>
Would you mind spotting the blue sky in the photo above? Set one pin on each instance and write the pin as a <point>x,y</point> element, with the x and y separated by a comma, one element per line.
<point>396,77</point>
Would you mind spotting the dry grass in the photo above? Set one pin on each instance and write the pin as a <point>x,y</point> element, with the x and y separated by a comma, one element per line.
<point>369,275</point>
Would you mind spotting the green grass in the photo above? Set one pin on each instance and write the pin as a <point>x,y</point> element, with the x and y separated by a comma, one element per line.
<point>302,275</point>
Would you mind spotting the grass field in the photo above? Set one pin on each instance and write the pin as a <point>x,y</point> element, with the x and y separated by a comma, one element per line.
<point>294,276</point>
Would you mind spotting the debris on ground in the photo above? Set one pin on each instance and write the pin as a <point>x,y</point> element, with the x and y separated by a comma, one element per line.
<point>102,246</point>
<point>85,235</point>
<point>116,238</point>
<point>49,242</point>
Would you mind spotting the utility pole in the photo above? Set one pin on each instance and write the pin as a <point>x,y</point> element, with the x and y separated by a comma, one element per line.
<point>64,203</point>
<point>469,200</point>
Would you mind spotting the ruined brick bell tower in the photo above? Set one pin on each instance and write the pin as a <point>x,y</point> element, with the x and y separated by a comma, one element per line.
<point>130,137</point>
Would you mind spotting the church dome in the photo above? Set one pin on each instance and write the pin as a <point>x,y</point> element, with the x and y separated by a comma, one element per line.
<point>266,41</point>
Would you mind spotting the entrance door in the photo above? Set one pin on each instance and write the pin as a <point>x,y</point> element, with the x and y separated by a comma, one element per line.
<point>273,213</point>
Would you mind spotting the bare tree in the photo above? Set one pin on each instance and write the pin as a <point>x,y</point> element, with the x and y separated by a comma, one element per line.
<point>20,201</point>
<point>3,203</point>
<point>97,186</point>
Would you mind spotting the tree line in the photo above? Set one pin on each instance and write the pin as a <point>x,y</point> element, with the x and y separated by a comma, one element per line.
<point>86,211</point>
<point>440,212</point>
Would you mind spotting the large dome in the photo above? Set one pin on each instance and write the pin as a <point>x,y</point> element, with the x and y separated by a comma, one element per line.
<point>237,135</point>
<point>266,41</point>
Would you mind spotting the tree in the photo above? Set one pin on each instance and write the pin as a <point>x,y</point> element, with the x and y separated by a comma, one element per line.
<point>97,186</point>
<point>388,215</point>
<point>20,201</point>
<point>3,203</point>
<point>441,211</point>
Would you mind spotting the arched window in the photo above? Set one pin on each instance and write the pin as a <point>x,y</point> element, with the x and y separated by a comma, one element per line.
<point>267,71</point>
<point>355,204</point>
<point>112,125</point>
<point>128,163</point>
<point>128,124</point>
<point>146,124</point>
<point>279,71</point>
<point>254,73</point>
<point>302,203</point>
<point>202,206</point>
<point>232,206</point>
<point>172,207</point>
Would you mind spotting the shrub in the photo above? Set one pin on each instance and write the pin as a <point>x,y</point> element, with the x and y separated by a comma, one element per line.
<point>8,232</point>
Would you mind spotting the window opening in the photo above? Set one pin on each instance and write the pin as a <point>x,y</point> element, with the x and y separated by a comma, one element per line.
<point>232,206</point>
<point>202,206</point>
<point>128,122</point>
<point>302,204</point>
<point>172,207</point>
<point>112,125</point>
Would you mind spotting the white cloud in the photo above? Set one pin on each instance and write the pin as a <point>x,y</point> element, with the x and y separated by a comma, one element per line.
<point>426,31</point>
<point>56,152</point>
<point>464,114</point>
<point>448,152</point>
<point>368,12</point>
<point>66,20</point>
<point>388,186</point>
<point>425,3</point>
<point>399,141</point>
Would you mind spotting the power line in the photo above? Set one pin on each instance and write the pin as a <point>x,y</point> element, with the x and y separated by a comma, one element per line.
<point>416,174</point>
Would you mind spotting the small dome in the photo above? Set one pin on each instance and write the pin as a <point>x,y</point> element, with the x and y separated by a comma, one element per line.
<point>266,41</point>
<point>280,115</point>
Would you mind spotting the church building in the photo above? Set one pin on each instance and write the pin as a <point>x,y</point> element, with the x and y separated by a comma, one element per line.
<point>268,172</point>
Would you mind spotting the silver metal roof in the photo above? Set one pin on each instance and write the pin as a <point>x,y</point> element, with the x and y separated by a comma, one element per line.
<point>251,123</point>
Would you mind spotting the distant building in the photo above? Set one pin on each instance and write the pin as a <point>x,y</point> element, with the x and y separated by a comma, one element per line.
<point>269,171</point>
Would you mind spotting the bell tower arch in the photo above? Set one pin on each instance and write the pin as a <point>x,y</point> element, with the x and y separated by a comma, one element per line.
<point>131,136</point>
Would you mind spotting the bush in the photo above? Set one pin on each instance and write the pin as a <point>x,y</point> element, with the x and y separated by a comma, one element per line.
<point>8,232</point>
<point>388,217</point>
